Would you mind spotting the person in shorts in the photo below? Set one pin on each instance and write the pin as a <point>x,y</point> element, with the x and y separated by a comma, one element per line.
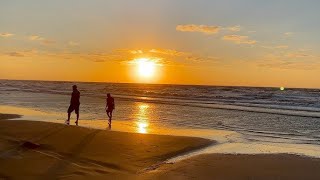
<point>109,107</point>
<point>74,104</point>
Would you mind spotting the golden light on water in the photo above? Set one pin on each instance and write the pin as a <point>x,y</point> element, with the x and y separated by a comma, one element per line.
<point>142,127</point>
<point>142,119</point>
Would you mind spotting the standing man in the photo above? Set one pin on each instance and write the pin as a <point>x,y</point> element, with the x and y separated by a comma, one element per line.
<point>109,107</point>
<point>74,104</point>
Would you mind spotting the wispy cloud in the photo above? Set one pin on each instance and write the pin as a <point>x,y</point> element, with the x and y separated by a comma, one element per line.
<point>234,28</point>
<point>239,39</point>
<point>300,59</point>
<point>15,54</point>
<point>168,52</point>
<point>72,43</point>
<point>169,57</point>
<point>279,63</point>
<point>163,56</point>
<point>25,53</point>
<point>298,55</point>
<point>41,39</point>
<point>206,29</point>
<point>35,37</point>
<point>198,28</point>
<point>6,35</point>
<point>276,47</point>
<point>288,34</point>
<point>47,41</point>
<point>282,47</point>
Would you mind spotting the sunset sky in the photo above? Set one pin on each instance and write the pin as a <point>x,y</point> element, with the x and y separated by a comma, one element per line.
<point>214,42</point>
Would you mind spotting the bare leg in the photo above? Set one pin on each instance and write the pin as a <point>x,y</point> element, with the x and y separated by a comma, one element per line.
<point>110,119</point>
<point>77,119</point>
<point>68,120</point>
<point>109,116</point>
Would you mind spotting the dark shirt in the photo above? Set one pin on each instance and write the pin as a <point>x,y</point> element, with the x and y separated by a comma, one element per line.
<point>75,98</point>
<point>110,103</point>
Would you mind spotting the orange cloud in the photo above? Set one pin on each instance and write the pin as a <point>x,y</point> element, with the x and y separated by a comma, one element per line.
<point>239,39</point>
<point>234,28</point>
<point>279,63</point>
<point>282,47</point>
<point>198,28</point>
<point>166,55</point>
<point>288,34</point>
<point>163,56</point>
<point>26,53</point>
<point>302,59</point>
<point>298,55</point>
<point>276,47</point>
<point>72,43</point>
<point>169,52</point>
<point>169,57</point>
<point>6,35</point>
<point>41,39</point>
<point>15,54</point>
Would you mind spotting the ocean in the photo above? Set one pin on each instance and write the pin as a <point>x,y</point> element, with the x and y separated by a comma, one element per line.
<point>256,114</point>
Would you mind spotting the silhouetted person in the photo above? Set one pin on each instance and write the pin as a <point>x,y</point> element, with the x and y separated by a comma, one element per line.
<point>110,107</point>
<point>74,104</point>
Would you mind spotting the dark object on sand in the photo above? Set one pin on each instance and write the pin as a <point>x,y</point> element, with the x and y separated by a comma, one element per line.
<point>30,145</point>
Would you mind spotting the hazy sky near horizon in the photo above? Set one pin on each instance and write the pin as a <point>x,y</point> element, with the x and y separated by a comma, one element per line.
<point>230,42</point>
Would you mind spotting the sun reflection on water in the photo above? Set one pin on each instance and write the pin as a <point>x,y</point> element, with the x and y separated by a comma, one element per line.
<point>142,127</point>
<point>142,118</point>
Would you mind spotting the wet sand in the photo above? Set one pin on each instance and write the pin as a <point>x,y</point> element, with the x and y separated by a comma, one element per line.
<point>9,116</point>
<point>232,166</point>
<point>45,150</point>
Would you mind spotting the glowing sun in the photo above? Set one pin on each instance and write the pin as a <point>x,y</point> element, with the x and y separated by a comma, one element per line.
<point>146,67</point>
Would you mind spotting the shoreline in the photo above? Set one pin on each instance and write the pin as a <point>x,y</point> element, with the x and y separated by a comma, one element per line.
<point>225,141</point>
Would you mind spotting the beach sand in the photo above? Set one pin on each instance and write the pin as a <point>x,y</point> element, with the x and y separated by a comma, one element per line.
<point>45,150</point>
<point>48,150</point>
<point>238,167</point>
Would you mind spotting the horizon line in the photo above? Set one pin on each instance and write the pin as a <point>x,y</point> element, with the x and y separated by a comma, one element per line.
<point>241,86</point>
